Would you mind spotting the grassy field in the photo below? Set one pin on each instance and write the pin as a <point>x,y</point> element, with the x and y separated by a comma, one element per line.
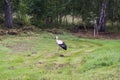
<point>36,57</point>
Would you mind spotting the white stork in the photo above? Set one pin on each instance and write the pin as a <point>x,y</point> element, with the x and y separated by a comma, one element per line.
<point>61,43</point>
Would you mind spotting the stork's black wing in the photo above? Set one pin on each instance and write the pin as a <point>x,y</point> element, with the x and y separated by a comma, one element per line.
<point>63,45</point>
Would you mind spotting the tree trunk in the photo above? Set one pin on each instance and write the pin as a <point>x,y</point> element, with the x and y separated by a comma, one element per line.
<point>113,14</point>
<point>95,27</point>
<point>102,21</point>
<point>60,19</point>
<point>73,17</point>
<point>8,14</point>
<point>66,21</point>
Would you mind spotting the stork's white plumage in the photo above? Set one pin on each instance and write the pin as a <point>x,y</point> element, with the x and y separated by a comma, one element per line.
<point>61,43</point>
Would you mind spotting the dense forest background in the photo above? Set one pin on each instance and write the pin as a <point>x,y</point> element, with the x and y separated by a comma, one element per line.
<point>57,13</point>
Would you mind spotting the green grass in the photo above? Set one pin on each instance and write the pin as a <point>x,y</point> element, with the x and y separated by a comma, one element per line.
<point>36,57</point>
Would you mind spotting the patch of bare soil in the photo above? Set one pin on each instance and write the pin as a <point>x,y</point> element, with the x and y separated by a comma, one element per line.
<point>49,55</point>
<point>102,35</point>
<point>20,47</point>
<point>55,66</point>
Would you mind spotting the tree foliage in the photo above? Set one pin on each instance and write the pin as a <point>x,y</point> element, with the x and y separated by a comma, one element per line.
<point>46,12</point>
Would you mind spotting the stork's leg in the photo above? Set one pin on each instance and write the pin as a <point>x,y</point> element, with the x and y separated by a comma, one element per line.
<point>58,50</point>
<point>61,52</point>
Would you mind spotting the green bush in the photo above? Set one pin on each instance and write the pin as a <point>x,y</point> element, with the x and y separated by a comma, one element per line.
<point>37,22</point>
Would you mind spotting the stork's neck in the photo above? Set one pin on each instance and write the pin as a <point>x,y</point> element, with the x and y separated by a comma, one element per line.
<point>56,37</point>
